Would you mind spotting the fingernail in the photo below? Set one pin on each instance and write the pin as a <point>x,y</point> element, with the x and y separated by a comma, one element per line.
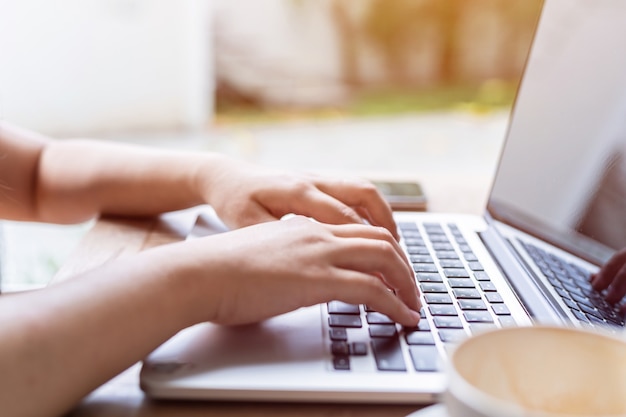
<point>416,316</point>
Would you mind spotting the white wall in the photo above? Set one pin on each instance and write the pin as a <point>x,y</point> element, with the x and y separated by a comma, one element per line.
<point>82,66</point>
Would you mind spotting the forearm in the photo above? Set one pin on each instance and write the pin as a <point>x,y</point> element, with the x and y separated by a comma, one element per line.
<point>60,343</point>
<point>79,179</point>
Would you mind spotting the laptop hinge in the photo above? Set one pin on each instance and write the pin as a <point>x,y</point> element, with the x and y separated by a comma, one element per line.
<point>537,302</point>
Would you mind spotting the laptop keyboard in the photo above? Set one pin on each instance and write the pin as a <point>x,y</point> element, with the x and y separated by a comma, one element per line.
<point>571,283</point>
<point>458,299</point>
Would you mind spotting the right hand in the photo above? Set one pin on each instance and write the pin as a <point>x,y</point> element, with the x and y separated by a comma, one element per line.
<point>260,271</point>
<point>612,276</point>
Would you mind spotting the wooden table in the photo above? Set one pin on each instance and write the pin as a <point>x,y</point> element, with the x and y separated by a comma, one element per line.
<point>114,238</point>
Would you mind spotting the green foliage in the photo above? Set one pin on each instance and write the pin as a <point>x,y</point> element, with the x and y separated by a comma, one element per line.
<point>489,96</point>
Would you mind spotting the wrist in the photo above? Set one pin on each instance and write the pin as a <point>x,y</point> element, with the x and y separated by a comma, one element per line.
<point>212,170</point>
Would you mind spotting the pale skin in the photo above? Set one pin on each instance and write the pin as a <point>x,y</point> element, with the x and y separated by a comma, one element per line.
<point>61,342</point>
<point>612,278</point>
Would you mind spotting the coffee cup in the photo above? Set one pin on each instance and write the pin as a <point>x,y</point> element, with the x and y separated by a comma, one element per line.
<point>538,371</point>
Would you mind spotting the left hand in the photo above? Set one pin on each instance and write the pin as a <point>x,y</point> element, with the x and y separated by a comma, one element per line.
<point>243,195</point>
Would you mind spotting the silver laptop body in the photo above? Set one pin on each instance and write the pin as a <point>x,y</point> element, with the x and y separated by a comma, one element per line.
<point>556,211</point>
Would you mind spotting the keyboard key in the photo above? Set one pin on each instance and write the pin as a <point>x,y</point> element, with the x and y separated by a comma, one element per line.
<point>470,257</point>
<point>429,277</point>
<point>442,310</point>
<point>438,238</point>
<point>448,322</point>
<point>419,259</point>
<point>461,283</point>
<point>338,334</point>
<point>452,335</point>
<point>433,228</point>
<point>573,289</point>
<point>388,354</point>
<point>419,338</point>
<point>425,358</point>
<point>343,320</point>
<point>487,286</point>
<point>340,348</point>
<point>383,330</point>
<point>378,318</point>
<point>451,263</point>
<point>425,268</point>
<point>443,246</point>
<point>437,298</point>
<point>341,363</point>
<point>427,287</point>
<point>446,254</point>
<point>358,349</point>
<point>507,321</point>
<point>477,316</point>
<point>417,250</point>
<point>456,273</point>
<point>481,276</point>
<point>477,328</point>
<point>555,282</point>
<point>500,309</point>
<point>413,241</point>
<point>564,294</point>
<point>596,320</point>
<point>466,293</point>
<point>590,311</point>
<point>475,266</point>
<point>472,305</point>
<point>339,307</point>
<point>465,248</point>
<point>459,239</point>
<point>422,326</point>
<point>582,301</point>
<point>580,316</point>
<point>493,297</point>
<point>572,305</point>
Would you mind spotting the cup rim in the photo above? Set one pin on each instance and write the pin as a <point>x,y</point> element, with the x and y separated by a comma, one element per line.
<point>459,387</point>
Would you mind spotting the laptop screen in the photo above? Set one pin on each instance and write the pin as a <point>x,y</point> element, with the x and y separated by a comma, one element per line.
<point>562,174</point>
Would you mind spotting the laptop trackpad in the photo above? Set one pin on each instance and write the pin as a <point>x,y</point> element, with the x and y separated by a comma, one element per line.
<point>208,348</point>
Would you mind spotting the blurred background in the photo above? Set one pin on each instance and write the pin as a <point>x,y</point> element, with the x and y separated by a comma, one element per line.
<point>365,87</point>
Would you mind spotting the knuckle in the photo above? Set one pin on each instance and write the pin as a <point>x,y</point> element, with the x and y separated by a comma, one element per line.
<point>373,287</point>
<point>300,187</point>
<point>382,233</point>
<point>347,212</point>
<point>366,188</point>
<point>385,248</point>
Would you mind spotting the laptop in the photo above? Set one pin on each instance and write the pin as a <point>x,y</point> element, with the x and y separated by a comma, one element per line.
<point>557,210</point>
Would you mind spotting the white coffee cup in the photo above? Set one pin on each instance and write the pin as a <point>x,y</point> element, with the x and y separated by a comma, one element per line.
<point>537,372</point>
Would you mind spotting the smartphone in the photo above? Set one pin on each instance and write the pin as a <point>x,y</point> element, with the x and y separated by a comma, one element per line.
<point>403,195</point>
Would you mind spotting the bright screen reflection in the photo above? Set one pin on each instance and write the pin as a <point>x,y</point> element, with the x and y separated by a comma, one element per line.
<point>563,169</point>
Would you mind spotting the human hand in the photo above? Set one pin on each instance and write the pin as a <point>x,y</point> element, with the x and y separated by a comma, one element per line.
<point>260,271</point>
<point>243,195</point>
<point>612,276</point>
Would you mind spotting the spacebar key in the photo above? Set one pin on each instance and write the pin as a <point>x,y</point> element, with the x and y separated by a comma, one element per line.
<point>388,354</point>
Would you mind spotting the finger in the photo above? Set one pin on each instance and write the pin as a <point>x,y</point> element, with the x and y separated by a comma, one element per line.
<point>617,290</point>
<point>375,257</point>
<point>325,208</point>
<point>370,232</point>
<point>605,276</point>
<point>379,233</point>
<point>359,288</point>
<point>364,195</point>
